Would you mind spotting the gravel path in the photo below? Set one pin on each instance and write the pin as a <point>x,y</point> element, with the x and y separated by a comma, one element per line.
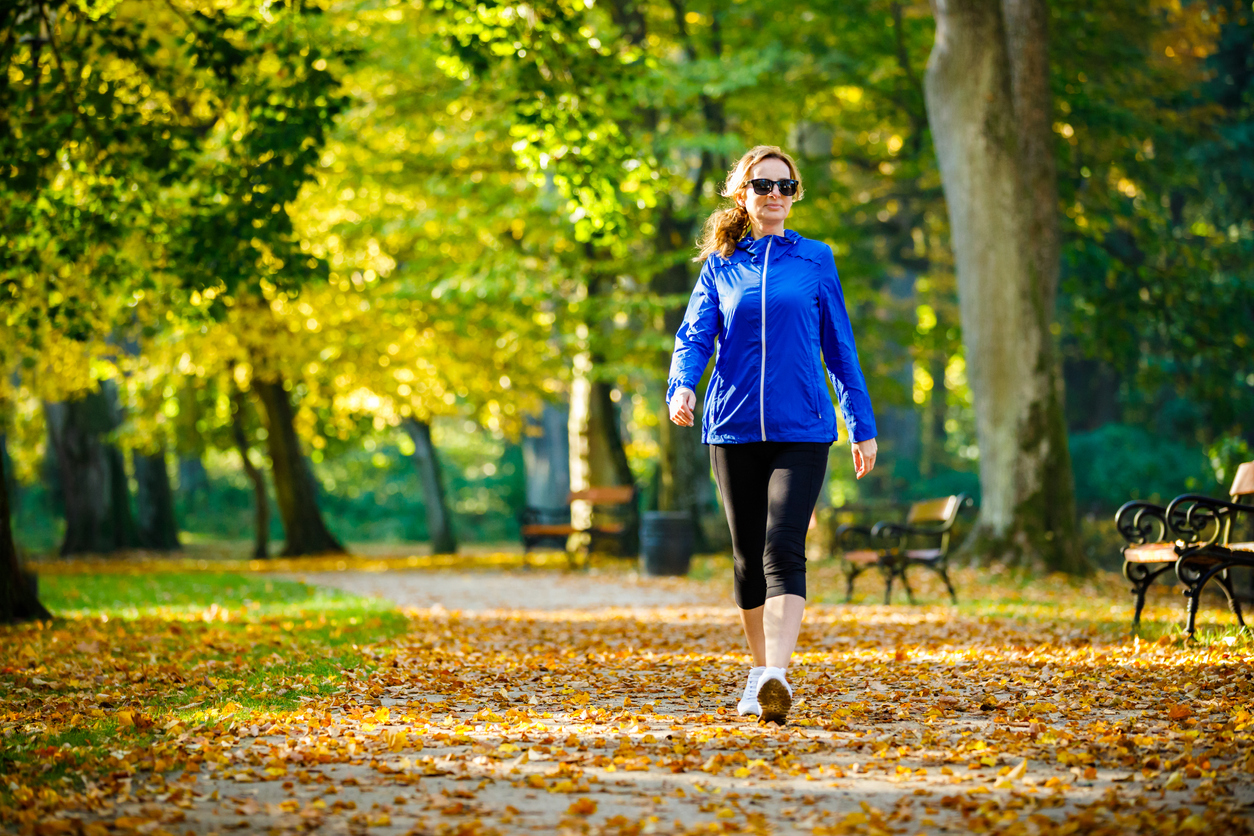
<point>479,592</point>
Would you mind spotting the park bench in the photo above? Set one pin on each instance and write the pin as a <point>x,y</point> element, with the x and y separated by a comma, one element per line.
<point>1207,550</point>
<point>1192,535</point>
<point>613,514</point>
<point>923,540</point>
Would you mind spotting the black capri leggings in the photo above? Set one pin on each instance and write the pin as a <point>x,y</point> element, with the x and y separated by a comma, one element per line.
<point>769,489</point>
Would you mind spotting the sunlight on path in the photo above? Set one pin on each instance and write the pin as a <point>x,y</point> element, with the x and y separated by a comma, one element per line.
<point>547,702</point>
<point>516,590</point>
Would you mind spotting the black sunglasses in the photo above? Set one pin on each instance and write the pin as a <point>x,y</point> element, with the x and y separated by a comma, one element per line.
<point>787,188</point>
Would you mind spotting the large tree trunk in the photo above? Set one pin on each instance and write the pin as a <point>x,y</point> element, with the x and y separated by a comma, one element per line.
<point>154,502</point>
<point>597,455</point>
<point>18,601</point>
<point>92,474</point>
<point>546,457</point>
<point>306,533</point>
<point>426,460</point>
<point>261,505</point>
<point>1002,292</point>
<point>683,462</point>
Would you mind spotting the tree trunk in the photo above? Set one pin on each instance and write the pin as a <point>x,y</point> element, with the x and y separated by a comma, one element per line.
<point>193,481</point>
<point>1044,445</point>
<point>305,531</point>
<point>932,443</point>
<point>92,474</point>
<point>18,601</point>
<point>597,455</point>
<point>681,462</point>
<point>427,461</point>
<point>546,457</point>
<point>261,505</point>
<point>154,502</point>
<point>1002,292</point>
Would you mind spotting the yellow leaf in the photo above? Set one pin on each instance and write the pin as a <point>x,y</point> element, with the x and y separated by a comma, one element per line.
<point>582,807</point>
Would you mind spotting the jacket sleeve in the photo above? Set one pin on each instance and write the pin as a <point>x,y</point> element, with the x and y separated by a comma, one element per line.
<point>841,356</point>
<point>694,342</point>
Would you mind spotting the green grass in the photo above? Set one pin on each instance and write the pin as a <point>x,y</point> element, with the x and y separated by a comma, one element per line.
<point>189,646</point>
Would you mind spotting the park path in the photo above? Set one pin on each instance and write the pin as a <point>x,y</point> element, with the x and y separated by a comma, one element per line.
<point>549,702</point>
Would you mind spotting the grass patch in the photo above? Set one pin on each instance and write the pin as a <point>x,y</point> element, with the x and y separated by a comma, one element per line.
<point>131,654</point>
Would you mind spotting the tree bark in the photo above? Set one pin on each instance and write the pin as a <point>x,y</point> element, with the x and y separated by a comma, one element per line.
<point>932,444</point>
<point>305,530</point>
<point>426,460</point>
<point>546,457</point>
<point>154,502</point>
<point>1044,444</point>
<point>597,455</point>
<point>92,473</point>
<point>1002,291</point>
<point>261,505</point>
<point>18,601</point>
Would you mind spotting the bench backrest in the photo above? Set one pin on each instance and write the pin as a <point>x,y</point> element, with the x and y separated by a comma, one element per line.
<point>928,511</point>
<point>604,495</point>
<point>1243,482</point>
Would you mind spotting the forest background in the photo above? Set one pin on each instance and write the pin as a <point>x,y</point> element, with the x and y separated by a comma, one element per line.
<point>402,268</point>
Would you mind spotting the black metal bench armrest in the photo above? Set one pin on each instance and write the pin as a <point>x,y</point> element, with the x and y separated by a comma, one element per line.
<point>1140,522</point>
<point>1192,515</point>
<point>845,533</point>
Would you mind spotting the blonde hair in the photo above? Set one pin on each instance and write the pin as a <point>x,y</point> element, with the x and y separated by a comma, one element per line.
<point>724,229</point>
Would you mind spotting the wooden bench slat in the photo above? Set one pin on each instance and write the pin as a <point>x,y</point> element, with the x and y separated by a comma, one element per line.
<point>604,495</point>
<point>932,510</point>
<point>923,554</point>
<point>547,530</point>
<point>863,556</point>
<point>1151,553</point>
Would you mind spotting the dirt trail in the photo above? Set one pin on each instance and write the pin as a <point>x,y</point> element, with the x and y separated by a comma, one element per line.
<point>544,703</point>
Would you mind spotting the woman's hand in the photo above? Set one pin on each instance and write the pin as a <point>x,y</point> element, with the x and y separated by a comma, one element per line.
<point>683,402</point>
<point>864,456</point>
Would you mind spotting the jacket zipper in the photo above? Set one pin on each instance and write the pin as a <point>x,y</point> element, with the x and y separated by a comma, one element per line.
<point>766,260</point>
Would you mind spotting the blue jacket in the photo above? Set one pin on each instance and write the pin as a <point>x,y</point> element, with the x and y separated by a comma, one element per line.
<point>790,283</point>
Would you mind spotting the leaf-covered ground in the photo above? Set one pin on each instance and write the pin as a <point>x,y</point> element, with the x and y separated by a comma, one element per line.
<point>176,697</point>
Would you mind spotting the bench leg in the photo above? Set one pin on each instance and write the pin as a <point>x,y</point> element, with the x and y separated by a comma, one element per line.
<point>944,573</point>
<point>1191,595</point>
<point>901,572</point>
<point>1225,581</point>
<point>1142,579</point>
<point>851,574</point>
<point>887,571</point>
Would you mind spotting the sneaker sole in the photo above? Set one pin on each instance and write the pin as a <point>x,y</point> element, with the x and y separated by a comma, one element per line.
<point>775,701</point>
<point>749,710</point>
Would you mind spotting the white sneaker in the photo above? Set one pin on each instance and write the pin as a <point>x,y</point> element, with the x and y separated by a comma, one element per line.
<point>774,696</point>
<point>749,702</point>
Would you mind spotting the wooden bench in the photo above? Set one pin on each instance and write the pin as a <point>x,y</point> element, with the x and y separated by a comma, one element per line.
<point>614,522</point>
<point>923,540</point>
<point>1193,536</point>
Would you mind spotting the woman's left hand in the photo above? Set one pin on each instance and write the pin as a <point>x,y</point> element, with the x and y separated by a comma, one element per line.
<point>864,456</point>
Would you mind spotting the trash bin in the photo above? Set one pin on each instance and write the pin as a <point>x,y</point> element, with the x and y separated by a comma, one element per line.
<point>666,542</point>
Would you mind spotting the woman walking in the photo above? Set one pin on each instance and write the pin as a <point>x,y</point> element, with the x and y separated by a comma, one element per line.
<point>771,299</point>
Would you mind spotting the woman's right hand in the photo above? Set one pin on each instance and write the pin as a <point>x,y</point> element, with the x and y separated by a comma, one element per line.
<point>682,404</point>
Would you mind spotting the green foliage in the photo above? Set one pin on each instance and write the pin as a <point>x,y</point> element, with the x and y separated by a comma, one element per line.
<point>1157,132</point>
<point>1117,463</point>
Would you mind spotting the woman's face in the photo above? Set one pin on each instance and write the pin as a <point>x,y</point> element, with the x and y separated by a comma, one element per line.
<point>767,211</point>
